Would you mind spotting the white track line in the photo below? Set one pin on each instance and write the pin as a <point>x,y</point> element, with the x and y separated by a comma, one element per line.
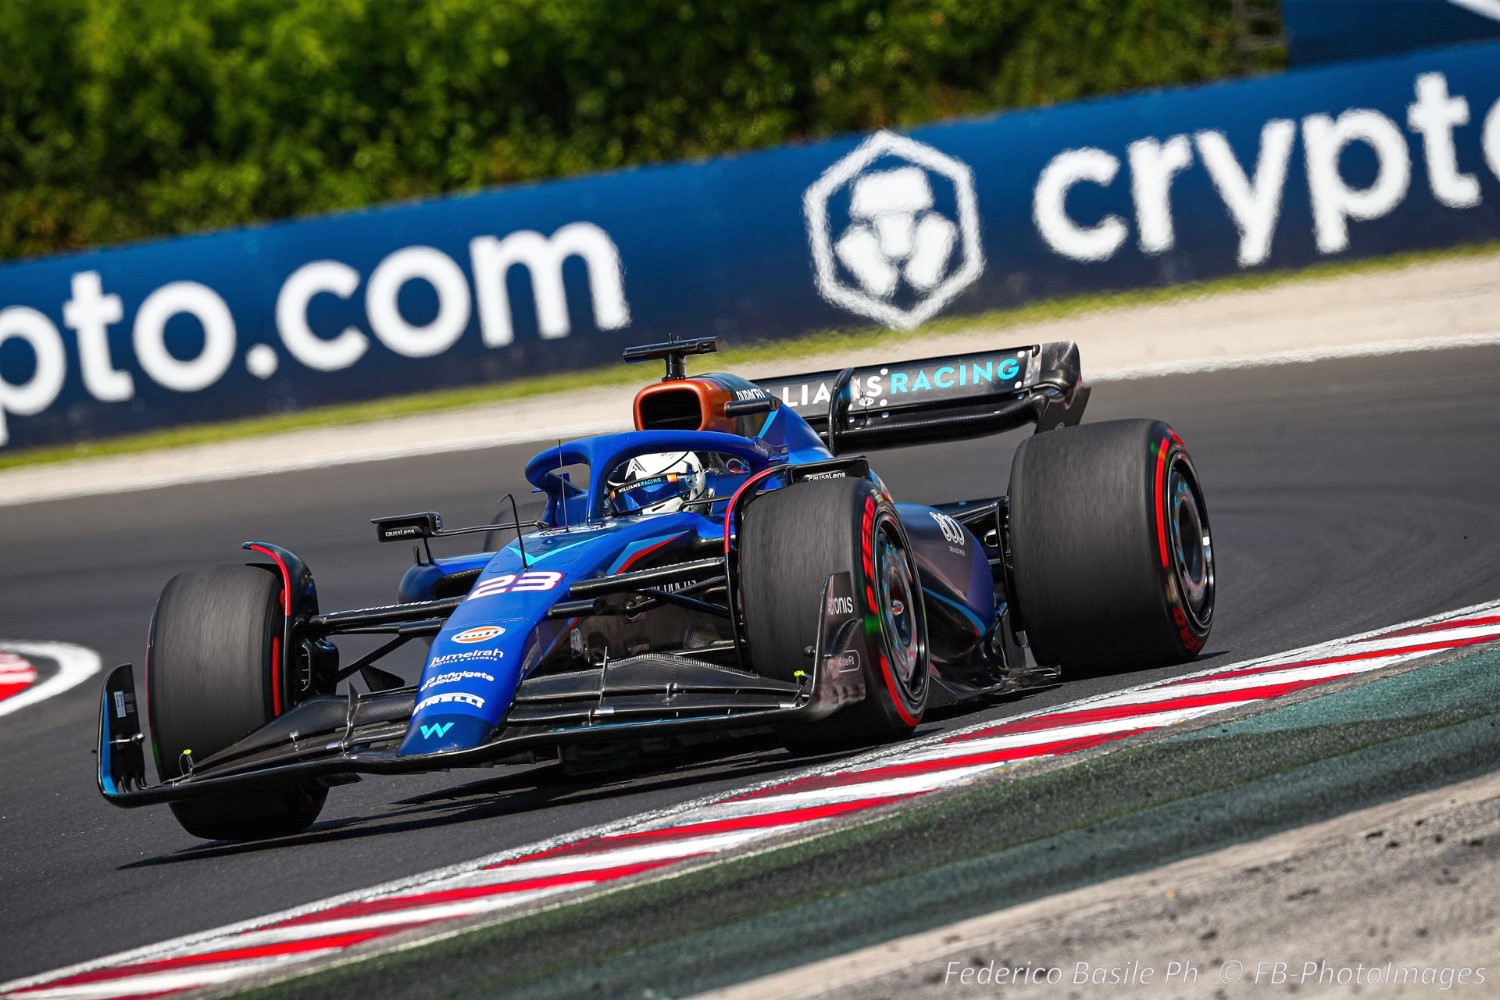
<point>1216,685</point>
<point>75,664</point>
<point>274,464</point>
<point>412,915</point>
<point>613,857</point>
<point>1376,349</point>
<point>156,982</point>
<point>423,906</point>
<point>1014,741</point>
<point>1383,641</point>
<point>374,450</point>
<point>15,672</point>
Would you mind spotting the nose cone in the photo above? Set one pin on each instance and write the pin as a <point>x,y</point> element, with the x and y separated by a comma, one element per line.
<point>469,680</point>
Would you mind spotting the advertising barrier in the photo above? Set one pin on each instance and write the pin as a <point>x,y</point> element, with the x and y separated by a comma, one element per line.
<point>1138,191</point>
<point>1320,31</point>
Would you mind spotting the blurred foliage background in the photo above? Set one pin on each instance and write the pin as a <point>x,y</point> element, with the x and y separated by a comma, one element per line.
<point>122,119</point>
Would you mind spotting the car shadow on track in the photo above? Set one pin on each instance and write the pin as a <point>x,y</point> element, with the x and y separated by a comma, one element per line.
<point>529,790</point>
<point>733,762</point>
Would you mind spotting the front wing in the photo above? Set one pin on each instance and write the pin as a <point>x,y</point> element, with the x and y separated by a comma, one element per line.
<point>335,738</point>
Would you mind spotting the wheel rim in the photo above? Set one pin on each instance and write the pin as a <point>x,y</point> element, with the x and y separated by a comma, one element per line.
<point>900,629</point>
<point>1191,543</point>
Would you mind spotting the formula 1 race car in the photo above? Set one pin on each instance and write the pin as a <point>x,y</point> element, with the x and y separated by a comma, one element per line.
<point>731,564</point>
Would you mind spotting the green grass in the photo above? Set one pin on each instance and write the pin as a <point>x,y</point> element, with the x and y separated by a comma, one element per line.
<point>820,343</point>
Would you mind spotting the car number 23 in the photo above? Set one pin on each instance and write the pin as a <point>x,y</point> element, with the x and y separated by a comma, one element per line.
<point>533,582</point>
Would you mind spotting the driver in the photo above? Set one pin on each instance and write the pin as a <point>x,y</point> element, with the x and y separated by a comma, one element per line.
<point>658,483</point>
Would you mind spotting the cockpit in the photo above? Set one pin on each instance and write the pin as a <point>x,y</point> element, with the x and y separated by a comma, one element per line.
<point>664,482</point>
<point>696,442</point>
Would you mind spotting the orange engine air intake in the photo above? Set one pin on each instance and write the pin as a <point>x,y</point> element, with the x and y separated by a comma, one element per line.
<point>688,404</point>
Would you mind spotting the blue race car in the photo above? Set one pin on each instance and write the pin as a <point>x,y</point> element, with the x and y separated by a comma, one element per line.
<point>731,564</point>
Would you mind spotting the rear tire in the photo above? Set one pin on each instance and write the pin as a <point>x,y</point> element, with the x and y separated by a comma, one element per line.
<point>213,676</point>
<point>1111,557</point>
<point>791,541</point>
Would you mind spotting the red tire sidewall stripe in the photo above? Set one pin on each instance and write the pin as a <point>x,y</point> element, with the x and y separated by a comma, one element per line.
<point>286,610</point>
<point>867,541</point>
<point>1170,446</point>
<point>1161,500</point>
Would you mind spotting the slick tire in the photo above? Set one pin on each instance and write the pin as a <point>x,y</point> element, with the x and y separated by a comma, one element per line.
<point>1111,558</point>
<point>212,676</point>
<point>791,541</point>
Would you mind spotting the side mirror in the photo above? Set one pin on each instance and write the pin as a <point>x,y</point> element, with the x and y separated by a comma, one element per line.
<point>402,527</point>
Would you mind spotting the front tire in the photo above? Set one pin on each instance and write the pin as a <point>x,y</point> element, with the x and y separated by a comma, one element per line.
<point>791,541</point>
<point>213,676</point>
<point>1111,555</point>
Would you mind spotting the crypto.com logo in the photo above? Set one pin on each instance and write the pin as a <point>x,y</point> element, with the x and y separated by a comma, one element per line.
<point>897,257</point>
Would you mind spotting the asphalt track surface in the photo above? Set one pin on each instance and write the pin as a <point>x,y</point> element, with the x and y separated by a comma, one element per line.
<point>1345,495</point>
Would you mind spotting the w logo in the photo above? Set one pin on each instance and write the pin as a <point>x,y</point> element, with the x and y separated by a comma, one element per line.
<point>428,732</point>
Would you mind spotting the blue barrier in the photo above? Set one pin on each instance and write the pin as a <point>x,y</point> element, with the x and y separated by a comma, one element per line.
<point>1321,31</point>
<point>1144,190</point>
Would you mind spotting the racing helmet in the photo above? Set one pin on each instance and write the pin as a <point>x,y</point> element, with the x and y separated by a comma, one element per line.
<point>658,483</point>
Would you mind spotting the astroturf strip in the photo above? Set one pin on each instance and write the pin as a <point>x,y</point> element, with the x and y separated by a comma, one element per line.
<point>996,846</point>
<point>791,349</point>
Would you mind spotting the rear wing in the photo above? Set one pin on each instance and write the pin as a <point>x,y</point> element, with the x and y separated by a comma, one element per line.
<point>939,399</point>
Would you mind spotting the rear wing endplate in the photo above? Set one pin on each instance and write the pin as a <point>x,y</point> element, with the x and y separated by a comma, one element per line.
<point>939,399</point>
